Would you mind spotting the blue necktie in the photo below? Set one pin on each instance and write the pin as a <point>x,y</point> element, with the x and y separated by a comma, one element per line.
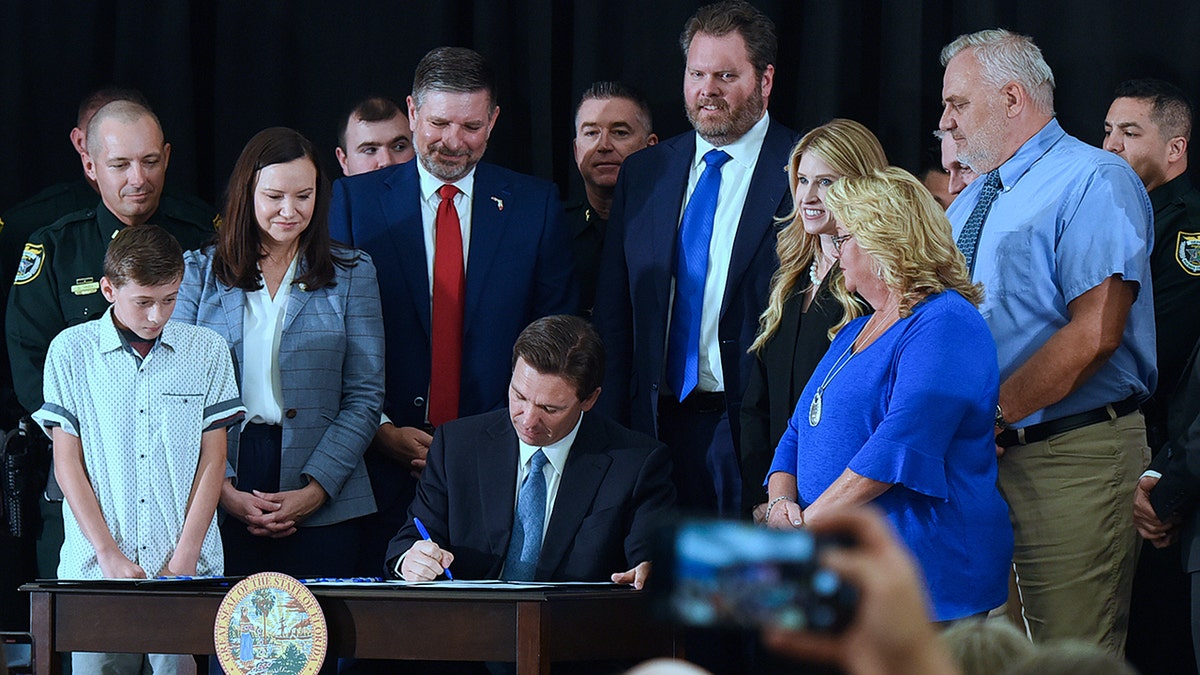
<point>525,544</point>
<point>968,238</point>
<point>691,267</point>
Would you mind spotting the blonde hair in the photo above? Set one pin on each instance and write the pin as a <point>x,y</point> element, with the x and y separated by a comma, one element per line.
<point>848,148</point>
<point>897,222</point>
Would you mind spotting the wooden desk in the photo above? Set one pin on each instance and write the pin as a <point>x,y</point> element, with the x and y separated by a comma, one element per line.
<point>533,627</point>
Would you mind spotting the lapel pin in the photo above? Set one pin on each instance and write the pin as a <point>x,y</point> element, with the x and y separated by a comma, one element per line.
<point>499,203</point>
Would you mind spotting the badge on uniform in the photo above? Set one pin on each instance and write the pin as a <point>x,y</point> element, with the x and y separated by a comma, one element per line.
<point>85,286</point>
<point>1187,252</point>
<point>31,264</point>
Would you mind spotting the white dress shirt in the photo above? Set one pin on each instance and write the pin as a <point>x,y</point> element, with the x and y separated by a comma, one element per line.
<point>262,329</point>
<point>556,454</point>
<point>735,183</point>
<point>430,200</point>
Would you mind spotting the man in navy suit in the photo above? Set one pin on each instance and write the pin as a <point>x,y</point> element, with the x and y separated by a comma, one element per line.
<point>502,260</point>
<point>668,327</point>
<point>601,488</point>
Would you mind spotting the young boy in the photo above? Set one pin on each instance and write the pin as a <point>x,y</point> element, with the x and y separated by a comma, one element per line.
<point>137,408</point>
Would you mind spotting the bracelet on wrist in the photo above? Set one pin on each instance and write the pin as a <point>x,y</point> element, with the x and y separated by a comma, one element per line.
<point>771,505</point>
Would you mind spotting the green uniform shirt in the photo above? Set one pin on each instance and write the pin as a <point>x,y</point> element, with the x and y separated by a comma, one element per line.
<point>57,283</point>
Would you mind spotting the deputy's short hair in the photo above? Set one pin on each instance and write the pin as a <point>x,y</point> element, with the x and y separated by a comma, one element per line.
<point>1171,109</point>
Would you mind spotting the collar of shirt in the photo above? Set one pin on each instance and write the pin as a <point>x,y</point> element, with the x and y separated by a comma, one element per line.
<point>111,340</point>
<point>556,453</point>
<point>430,185</point>
<point>1015,167</point>
<point>744,150</point>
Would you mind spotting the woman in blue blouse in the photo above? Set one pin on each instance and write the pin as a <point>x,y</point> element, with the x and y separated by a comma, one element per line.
<point>900,412</point>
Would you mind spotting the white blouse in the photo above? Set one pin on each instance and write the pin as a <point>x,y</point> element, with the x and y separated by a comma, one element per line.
<point>262,328</point>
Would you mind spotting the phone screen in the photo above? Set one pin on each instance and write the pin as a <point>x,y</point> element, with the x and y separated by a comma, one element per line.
<point>729,573</point>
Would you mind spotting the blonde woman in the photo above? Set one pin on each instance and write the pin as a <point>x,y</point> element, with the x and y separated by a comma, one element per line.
<point>900,411</point>
<point>794,329</point>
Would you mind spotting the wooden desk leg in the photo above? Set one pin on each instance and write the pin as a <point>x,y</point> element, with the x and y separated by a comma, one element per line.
<point>41,625</point>
<point>531,634</point>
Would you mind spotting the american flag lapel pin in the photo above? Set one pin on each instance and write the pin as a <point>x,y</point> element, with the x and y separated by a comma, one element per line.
<point>499,203</point>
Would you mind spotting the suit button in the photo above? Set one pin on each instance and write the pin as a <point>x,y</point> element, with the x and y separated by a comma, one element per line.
<point>419,401</point>
<point>291,413</point>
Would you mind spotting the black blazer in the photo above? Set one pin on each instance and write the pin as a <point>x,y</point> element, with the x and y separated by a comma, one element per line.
<point>614,489</point>
<point>777,379</point>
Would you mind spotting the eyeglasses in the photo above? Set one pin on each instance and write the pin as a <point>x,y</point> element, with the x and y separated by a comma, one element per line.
<point>838,240</point>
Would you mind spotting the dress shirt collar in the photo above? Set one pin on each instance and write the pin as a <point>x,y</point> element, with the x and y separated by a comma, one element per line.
<point>1030,152</point>
<point>430,184</point>
<point>111,340</point>
<point>555,452</point>
<point>744,150</point>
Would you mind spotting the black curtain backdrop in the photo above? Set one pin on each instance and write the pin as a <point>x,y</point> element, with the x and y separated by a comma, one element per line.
<point>217,71</point>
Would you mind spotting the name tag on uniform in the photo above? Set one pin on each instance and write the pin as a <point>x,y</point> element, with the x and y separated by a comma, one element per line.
<point>85,286</point>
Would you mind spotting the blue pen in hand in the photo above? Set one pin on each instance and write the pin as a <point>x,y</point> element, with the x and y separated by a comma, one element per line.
<point>425,533</point>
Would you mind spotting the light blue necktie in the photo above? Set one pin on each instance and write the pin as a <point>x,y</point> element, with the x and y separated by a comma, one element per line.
<point>968,238</point>
<point>525,544</point>
<point>691,267</point>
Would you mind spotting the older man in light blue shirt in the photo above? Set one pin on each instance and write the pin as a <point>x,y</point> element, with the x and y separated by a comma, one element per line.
<point>1059,233</point>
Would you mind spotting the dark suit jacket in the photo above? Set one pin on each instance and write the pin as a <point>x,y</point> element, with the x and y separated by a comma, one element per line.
<point>634,292</point>
<point>615,487</point>
<point>778,377</point>
<point>518,269</point>
<point>1178,491</point>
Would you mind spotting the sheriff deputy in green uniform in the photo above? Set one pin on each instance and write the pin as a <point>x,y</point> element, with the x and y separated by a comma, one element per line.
<point>57,283</point>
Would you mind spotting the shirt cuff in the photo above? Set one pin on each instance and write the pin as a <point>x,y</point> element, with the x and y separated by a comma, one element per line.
<point>1150,473</point>
<point>384,419</point>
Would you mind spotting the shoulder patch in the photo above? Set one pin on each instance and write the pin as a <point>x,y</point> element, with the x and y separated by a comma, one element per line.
<point>217,222</point>
<point>31,264</point>
<point>1187,252</point>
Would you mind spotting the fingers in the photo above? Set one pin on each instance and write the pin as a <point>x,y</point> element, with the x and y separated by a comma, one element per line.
<point>635,577</point>
<point>425,561</point>
<point>803,646</point>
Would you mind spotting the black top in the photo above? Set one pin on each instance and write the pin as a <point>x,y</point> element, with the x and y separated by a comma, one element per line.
<point>587,240</point>
<point>1175,269</point>
<point>784,365</point>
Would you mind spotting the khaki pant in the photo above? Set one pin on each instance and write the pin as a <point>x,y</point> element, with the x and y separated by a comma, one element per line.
<point>1070,498</point>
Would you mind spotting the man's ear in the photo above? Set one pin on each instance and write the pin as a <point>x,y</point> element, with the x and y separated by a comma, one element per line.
<point>590,401</point>
<point>1177,149</point>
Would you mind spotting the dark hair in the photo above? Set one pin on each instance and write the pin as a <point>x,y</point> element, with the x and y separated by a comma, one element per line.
<point>606,89</point>
<point>102,97</point>
<point>239,240</point>
<point>453,69</point>
<point>1171,109</point>
<point>370,109</point>
<point>566,346</point>
<point>722,18</point>
<point>144,254</point>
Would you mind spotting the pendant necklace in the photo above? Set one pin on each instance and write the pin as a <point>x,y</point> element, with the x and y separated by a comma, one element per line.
<point>814,410</point>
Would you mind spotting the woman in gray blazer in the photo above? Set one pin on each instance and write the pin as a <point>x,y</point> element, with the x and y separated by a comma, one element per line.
<point>303,322</point>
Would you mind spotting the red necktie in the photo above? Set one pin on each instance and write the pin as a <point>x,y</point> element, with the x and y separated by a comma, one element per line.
<point>449,290</point>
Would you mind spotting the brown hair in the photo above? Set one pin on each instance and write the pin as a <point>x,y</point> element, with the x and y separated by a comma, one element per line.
<point>453,69</point>
<point>735,16</point>
<point>144,254</point>
<point>239,240</point>
<point>566,346</point>
<point>370,109</point>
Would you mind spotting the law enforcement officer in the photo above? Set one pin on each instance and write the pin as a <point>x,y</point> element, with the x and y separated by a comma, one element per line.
<point>57,283</point>
<point>1149,125</point>
<point>612,121</point>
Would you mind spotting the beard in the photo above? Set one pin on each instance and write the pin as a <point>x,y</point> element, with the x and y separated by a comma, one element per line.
<point>729,124</point>
<point>448,166</point>
<point>982,150</point>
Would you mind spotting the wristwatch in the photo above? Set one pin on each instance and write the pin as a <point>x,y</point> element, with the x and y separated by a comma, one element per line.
<point>1001,423</point>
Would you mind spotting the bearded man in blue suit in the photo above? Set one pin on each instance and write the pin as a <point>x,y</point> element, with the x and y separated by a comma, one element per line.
<point>689,256</point>
<point>468,254</point>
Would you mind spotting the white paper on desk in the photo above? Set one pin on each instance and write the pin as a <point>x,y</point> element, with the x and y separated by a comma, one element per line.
<point>496,584</point>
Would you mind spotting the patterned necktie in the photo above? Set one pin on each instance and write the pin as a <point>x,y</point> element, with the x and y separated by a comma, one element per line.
<point>691,267</point>
<point>968,238</point>
<point>525,544</point>
<point>449,290</point>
